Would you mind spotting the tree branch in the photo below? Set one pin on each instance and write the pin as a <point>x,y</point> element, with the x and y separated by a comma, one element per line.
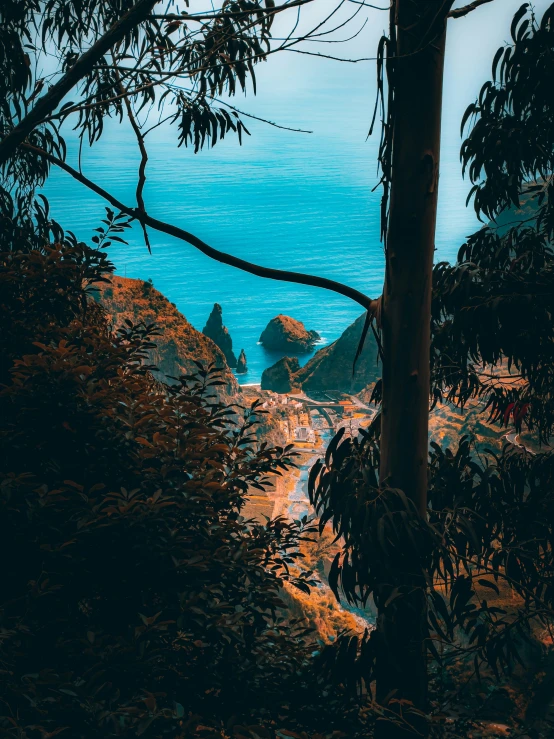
<point>219,256</point>
<point>460,12</point>
<point>49,102</point>
<point>143,156</point>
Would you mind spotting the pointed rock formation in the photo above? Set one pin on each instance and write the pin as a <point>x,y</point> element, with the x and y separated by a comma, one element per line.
<point>284,333</point>
<point>280,377</point>
<point>218,333</point>
<point>242,367</point>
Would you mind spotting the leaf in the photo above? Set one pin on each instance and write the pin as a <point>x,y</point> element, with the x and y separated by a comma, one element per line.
<point>150,702</point>
<point>334,573</point>
<point>468,112</point>
<point>517,17</point>
<point>507,413</point>
<point>359,350</point>
<point>488,584</point>
<point>497,58</point>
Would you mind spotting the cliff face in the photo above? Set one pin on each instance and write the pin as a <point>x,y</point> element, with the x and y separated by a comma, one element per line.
<point>331,367</point>
<point>286,334</point>
<point>280,377</point>
<point>218,333</point>
<point>179,343</point>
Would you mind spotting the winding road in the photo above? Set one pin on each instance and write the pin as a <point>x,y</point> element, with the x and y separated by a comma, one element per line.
<point>512,437</point>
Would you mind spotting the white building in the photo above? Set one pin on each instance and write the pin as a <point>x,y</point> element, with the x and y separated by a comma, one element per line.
<point>304,433</point>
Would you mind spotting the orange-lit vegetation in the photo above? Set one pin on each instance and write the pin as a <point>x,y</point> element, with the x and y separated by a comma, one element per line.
<point>178,344</point>
<point>136,599</point>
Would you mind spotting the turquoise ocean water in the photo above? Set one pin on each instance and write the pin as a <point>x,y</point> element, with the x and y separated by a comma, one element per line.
<point>283,199</point>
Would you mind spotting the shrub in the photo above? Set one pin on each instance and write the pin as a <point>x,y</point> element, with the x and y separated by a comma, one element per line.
<point>137,598</point>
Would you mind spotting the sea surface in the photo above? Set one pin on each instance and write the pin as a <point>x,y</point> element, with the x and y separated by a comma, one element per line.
<point>297,201</point>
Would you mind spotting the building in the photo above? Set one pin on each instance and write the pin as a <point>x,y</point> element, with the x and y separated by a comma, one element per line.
<point>305,434</point>
<point>304,419</point>
<point>348,408</point>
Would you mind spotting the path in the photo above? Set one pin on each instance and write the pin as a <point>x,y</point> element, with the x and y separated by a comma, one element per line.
<point>512,437</point>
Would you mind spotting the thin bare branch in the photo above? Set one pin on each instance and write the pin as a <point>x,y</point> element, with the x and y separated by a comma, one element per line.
<point>460,12</point>
<point>368,5</point>
<point>329,56</point>
<point>49,102</point>
<point>219,256</point>
<point>143,157</point>
<point>258,118</point>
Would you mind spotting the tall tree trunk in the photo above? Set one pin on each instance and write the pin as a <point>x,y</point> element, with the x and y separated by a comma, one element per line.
<point>416,75</point>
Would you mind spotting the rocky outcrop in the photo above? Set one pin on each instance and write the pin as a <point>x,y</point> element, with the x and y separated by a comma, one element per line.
<point>218,333</point>
<point>242,366</point>
<point>286,334</point>
<point>280,377</point>
<point>330,369</point>
<point>179,344</point>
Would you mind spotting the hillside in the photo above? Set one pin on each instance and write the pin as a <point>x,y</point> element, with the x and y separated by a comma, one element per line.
<point>179,343</point>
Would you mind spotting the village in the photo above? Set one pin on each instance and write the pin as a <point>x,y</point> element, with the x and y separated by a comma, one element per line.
<point>308,423</point>
<point>304,420</point>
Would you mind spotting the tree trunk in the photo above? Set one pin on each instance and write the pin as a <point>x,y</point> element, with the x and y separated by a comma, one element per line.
<point>417,78</point>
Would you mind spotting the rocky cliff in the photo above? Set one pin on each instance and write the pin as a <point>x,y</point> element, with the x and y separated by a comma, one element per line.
<point>179,344</point>
<point>219,334</point>
<point>281,376</point>
<point>286,334</point>
<point>330,369</point>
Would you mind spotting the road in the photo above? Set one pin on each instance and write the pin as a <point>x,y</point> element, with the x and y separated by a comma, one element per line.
<point>513,438</point>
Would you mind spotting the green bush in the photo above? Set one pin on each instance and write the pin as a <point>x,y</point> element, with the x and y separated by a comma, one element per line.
<point>135,599</point>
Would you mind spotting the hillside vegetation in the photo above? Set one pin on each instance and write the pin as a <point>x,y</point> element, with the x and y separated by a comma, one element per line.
<point>179,346</point>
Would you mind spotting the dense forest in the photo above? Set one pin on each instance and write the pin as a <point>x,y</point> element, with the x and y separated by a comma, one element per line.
<point>142,594</point>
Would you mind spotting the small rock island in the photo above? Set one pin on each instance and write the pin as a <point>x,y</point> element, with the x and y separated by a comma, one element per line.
<point>242,366</point>
<point>219,334</point>
<point>284,333</point>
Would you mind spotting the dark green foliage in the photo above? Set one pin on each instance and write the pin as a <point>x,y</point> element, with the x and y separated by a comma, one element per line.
<point>512,138</point>
<point>489,527</point>
<point>168,60</point>
<point>45,278</point>
<point>135,599</point>
<point>490,523</point>
<point>492,310</point>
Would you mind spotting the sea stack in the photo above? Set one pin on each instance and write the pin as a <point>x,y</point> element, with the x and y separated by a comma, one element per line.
<point>242,367</point>
<point>286,334</point>
<point>218,333</point>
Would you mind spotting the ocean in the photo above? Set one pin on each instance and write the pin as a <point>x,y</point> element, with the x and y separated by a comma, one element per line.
<point>297,201</point>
